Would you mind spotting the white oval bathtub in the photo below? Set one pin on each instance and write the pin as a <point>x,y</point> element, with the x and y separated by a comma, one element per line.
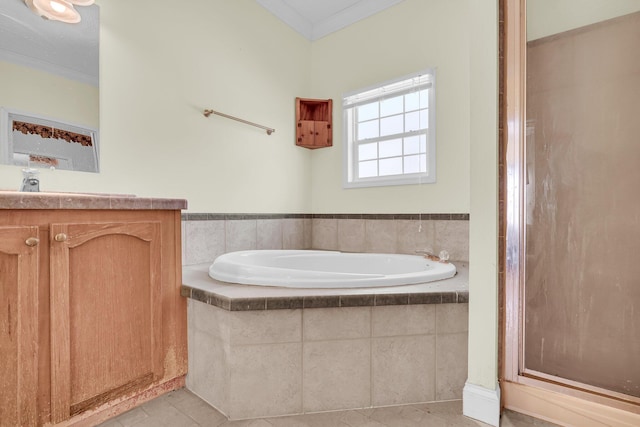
<point>326,269</point>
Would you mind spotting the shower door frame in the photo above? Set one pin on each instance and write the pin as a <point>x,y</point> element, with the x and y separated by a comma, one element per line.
<point>523,389</point>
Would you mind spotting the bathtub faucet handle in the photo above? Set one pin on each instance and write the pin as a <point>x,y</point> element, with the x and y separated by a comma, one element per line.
<point>442,257</point>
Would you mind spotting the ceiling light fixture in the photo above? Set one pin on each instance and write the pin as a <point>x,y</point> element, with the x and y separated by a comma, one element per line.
<point>58,10</point>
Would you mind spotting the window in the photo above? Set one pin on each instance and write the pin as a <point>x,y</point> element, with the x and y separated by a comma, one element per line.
<point>390,133</point>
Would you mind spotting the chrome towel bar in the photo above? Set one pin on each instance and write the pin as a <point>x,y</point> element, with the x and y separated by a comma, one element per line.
<point>269,130</point>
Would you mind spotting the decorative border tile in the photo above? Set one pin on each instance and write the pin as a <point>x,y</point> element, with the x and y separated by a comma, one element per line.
<point>236,216</point>
<point>287,303</point>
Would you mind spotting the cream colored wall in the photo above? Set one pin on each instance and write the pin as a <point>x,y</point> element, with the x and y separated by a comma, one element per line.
<point>177,59</point>
<point>161,64</point>
<point>406,38</point>
<point>547,17</point>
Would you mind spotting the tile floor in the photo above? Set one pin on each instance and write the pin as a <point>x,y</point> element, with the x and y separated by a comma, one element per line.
<point>181,408</point>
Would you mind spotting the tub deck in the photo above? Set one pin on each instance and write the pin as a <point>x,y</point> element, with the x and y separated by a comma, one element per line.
<point>199,286</point>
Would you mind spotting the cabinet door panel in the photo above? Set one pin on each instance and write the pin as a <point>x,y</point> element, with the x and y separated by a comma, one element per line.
<point>105,313</point>
<point>306,133</point>
<point>18,325</point>
<point>322,134</point>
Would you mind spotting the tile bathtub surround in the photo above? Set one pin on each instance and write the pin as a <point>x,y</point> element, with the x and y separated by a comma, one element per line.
<point>205,236</point>
<point>197,285</point>
<point>404,234</point>
<point>297,361</point>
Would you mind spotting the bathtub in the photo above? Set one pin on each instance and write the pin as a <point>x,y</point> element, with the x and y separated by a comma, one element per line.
<point>326,269</point>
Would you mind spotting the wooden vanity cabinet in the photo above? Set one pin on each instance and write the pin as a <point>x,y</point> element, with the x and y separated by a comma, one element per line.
<point>18,325</point>
<point>101,308</point>
<point>105,312</point>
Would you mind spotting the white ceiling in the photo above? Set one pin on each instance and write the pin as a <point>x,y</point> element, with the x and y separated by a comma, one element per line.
<point>315,19</point>
<point>67,50</point>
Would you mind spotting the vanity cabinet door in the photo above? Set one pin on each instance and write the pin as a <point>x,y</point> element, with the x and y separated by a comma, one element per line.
<point>18,325</point>
<point>106,326</point>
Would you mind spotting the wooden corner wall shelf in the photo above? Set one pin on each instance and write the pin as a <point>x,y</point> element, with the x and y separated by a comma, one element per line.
<point>314,123</point>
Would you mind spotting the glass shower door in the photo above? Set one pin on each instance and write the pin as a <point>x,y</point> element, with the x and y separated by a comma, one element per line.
<point>581,306</point>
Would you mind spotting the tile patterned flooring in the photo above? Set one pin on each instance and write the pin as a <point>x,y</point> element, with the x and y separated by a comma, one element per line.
<point>181,408</point>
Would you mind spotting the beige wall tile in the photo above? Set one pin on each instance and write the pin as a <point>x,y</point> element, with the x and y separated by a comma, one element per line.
<point>204,241</point>
<point>293,233</point>
<point>265,326</point>
<point>308,227</point>
<point>269,234</point>
<point>208,318</point>
<point>263,368</point>
<point>336,323</point>
<point>397,320</point>
<point>265,380</point>
<point>241,235</point>
<point>403,370</point>
<point>324,234</point>
<point>351,234</point>
<point>336,375</point>
<point>380,236</point>
<point>208,374</point>
<point>451,365</point>
<point>412,237</point>
<point>452,318</point>
<point>452,236</point>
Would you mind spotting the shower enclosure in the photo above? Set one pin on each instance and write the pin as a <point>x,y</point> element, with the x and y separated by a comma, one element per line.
<point>572,197</point>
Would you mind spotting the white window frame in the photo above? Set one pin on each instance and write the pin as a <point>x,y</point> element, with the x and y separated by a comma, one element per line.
<point>402,85</point>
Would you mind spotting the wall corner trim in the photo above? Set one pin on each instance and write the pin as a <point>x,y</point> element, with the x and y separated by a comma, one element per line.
<point>481,403</point>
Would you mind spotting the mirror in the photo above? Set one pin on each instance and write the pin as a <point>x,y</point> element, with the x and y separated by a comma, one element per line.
<point>49,79</point>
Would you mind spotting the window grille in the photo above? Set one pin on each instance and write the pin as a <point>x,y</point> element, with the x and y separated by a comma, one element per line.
<point>390,132</point>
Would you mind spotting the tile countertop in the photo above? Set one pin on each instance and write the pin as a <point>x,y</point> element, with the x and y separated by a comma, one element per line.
<point>199,286</point>
<point>53,200</point>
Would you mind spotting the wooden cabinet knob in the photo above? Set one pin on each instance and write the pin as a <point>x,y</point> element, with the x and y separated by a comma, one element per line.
<point>32,241</point>
<point>61,237</point>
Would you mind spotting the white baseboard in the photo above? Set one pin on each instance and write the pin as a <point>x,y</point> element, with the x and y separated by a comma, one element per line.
<point>481,403</point>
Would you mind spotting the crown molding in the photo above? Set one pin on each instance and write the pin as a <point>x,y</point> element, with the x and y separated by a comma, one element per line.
<point>341,19</point>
